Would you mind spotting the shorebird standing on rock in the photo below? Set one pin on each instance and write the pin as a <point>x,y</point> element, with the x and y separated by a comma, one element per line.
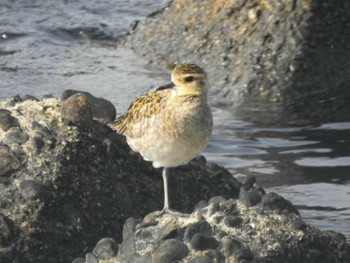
<point>172,124</point>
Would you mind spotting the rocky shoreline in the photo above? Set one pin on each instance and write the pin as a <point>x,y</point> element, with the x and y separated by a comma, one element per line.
<point>68,181</point>
<point>288,59</point>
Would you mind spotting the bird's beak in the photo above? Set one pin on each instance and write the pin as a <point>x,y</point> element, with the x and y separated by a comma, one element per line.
<point>170,85</point>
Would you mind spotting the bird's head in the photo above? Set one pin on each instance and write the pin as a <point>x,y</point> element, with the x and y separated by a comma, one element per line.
<point>189,79</point>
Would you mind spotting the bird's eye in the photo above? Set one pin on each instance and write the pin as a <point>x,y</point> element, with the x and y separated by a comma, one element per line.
<point>189,79</point>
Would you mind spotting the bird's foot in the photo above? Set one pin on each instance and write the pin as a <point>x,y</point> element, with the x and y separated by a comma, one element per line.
<point>167,210</point>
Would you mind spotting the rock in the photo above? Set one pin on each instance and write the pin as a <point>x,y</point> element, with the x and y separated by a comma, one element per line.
<point>249,198</point>
<point>76,110</point>
<point>102,109</point>
<point>276,202</point>
<point>275,56</point>
<point>31,189</point>
<point>79,260</point>
<point>15,136</point>
<point>202,259</point>
<point>7,231</point>
<point>8,162</point>
<point>38,143</point>
<point>7,120</point>
<point>263,234</point>
<point>106,248</point>
<point>169,251</point>
<point>91,258</point>
<point>233,221</point>
<point>28,97</point>
<point>203,242</point>
<point>201,227</point>
<point>91,189</point>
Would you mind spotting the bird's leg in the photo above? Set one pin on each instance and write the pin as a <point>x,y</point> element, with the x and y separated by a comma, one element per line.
<point>166,196</point>
<point>166,208</point>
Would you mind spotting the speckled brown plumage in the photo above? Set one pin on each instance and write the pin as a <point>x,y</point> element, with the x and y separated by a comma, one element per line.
<point>170,125</point>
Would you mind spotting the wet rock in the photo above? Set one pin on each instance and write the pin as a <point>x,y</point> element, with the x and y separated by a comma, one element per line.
<point>38,143</point>
<point>203,242</point>
<point>243,253</point>
<point>15,136</point>
<point>169,251</point>
<point>202,227</point>
<point>271,39</point>
<point>102,109</point>
<point>106,248</point>
<point>31,189</point>
<point>249,198</point>
<point>28,97</point>
<point>79,260</point>
<point>7,231</point>
<point>233,221</point>
<point>76,110</point>
<point>91,258</point>
<point>129,227</point>
<point>7,120</point>
<point>8,163</point>
<point>202,259</point>
<point>262,234</point>
<point>231,247</point>
<point>276,202</point>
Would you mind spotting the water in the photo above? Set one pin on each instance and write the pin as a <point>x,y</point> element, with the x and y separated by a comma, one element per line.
<point>49,46</point>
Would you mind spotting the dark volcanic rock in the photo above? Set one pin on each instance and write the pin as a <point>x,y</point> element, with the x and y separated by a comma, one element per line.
<point>276,202</point>
<point>31,189</point>
<point>288,58</point>
<point>76,110</point>
<point>275,238</point>
<point>7,231</point>
<point>6,120</point>
<point>15,136</point>
<point>67,185</point>
<point>8,162</point>
<point>106,248</point>
<point>169,251</point>
<point>102,109</point>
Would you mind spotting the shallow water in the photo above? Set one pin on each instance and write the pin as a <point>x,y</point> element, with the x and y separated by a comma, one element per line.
<point>49,46</point>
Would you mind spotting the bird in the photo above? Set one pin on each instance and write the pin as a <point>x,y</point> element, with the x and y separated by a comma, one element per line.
<point>169,125</point>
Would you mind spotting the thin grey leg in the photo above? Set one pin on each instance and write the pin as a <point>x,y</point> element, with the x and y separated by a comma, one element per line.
<point>165,182</point>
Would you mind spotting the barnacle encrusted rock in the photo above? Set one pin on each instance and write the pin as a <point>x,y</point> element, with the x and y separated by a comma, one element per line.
<point>67,180</point>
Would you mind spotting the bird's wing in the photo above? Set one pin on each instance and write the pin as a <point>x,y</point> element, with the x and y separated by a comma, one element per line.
<point>140,112</point>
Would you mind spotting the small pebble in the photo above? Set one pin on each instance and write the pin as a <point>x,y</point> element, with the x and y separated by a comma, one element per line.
<point>203,242</point>
<point>76,110</point>
<point>232,246</point>
<point>129,227</point>
<point>106,248</point>
<point>15,136</point>
<point>91,258</point>
<point>233,221</point>
<point>198,227</point>
<point>243,253</point>
<point>102,109</point>
<point>7,120</point>
<point>7,231</point>
<point>38,143</point>
<point>249,198</point>
<point>202,259</point>
<point>31,189</point>
<point>276,202</point>
<point>8,162</point>
<point>171,250</point>
<point>29,97</point>
<point>79,260</point>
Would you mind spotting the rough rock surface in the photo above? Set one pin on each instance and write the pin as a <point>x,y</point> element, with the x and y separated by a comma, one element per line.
<point>254,234</point>
<point>67,180</point>
<point>284,57</point>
